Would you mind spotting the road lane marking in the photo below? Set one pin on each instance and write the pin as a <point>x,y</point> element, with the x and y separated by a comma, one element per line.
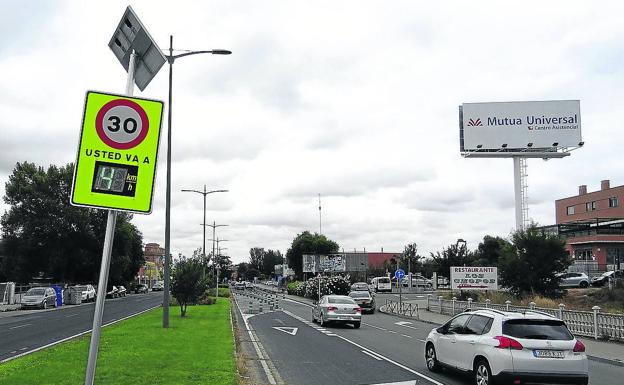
<point>20,326</point>
<point>71,315</point>
<point>391,361</point>
<point>392,331</point>
<point>74,336</point>
<point>405,324</point>
<point>406,336</point>
<point>287,330</point>
<point>376,327</point>
<point>24,348</point>
<point>255,343</point>
<point>371,355</point>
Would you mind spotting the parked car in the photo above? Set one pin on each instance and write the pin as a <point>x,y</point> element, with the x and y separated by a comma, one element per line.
<point>381,284</point>
<point>508,347</point>
<point>87,292</point>
<point>121,291</point>
<point>112,292</point>
<point>573,280</point>
<point>360,286</point>
<point>158,286</point>
<point>418,280</point>
<point>141,289</point>
<point>337,308</point>
<point>248,285</point>
<point>240,285</point>
<point>41,297</point>
<point>364,299</point>
<point>603,279</point>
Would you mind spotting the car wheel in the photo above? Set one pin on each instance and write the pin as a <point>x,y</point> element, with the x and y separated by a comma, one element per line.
<point>45,304</point>
<point>322,320</point>
<point>583,284</point>
<point>356,325</point>
<point>313,319</point>
<point>372,311</point>
<point>482,373</point>
<point>431,358</point>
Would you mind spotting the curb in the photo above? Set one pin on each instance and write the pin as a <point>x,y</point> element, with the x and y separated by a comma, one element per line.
<point>593,358</point>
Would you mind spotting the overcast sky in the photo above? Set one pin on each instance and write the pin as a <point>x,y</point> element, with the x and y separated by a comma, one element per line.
<point>356,100</point>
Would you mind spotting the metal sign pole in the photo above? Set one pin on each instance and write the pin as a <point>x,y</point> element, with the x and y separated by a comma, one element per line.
<point>105,265</point>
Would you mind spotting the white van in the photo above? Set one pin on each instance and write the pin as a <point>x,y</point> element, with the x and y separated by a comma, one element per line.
<point>381,284</point>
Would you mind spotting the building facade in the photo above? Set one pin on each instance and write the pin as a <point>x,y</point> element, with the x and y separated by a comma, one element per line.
<point>593,225</point>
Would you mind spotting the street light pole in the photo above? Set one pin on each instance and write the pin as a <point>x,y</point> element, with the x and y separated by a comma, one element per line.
<point>204,193</point>
<point>170,59</point>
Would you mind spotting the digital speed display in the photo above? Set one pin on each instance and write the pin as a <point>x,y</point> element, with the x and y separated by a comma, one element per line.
<point>115,179</point>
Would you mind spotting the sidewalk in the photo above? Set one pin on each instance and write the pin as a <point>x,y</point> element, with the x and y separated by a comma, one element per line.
<point>609,352</point>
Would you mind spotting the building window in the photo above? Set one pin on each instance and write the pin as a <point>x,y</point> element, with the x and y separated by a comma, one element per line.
<point>583,255</point>
<point>570,210</point>
<point>613,202</point>
<point>590,206</point>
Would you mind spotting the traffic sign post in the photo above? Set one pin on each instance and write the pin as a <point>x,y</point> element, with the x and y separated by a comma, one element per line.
<point>399,274</point>
<point>116,162</point>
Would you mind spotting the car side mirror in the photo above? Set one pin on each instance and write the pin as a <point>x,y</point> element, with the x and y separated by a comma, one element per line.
<point>441,330</point>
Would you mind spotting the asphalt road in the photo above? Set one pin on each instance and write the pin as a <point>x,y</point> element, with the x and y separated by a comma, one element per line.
<point>21,332</point>
<point>386,349</point>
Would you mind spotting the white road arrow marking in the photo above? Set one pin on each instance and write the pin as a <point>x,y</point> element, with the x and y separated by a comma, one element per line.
<point>405,324</point>
<point>287,330</point>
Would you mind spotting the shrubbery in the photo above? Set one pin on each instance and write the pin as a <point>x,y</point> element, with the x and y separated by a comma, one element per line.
<point>329,285</point>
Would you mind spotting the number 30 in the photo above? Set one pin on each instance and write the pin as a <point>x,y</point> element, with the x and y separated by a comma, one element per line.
<point>129,124</point>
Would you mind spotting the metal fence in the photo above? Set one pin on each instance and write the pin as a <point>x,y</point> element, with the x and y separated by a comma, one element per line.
<point>593,323</point>
<point>402,308</point>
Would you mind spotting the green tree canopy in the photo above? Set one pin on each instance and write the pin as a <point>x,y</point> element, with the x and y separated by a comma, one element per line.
<point>490,251</point>
<point>187,284</point>
<point>453,255</point>
<point>46,236</point>
<point>531,262</point>
<point>271,258</point>
<point>307,243</point>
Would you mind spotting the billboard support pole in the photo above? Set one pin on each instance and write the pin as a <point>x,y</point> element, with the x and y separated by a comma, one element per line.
<point>111,221</point>
<point>518,192</point>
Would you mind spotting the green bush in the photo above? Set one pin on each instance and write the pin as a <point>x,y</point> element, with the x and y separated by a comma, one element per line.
<point>329,285</point>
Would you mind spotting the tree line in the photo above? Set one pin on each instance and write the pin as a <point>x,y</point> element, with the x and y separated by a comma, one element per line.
<point>45,237</point>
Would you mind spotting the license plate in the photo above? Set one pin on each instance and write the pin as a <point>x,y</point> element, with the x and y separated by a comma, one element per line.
<point>548,353</point>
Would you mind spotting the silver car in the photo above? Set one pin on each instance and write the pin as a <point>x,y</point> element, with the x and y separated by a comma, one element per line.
<point>337,308</point>
<point>573,280</point>
<point>41,297</point>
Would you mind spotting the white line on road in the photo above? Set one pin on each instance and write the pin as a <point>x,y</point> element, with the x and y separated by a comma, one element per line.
<point>20,326</point>
<point>392,331</point>
<point>376,327</point>
<point>71,315</point>
<point>406,336</point>
<point>372,355</point>
<point>405,324</point>
<point>391,361</point>
<point>74,336</point>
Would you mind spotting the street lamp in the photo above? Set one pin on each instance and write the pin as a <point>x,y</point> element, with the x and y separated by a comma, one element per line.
<point>171,59</point>
<point>215,263</point>
<point>204,193</point>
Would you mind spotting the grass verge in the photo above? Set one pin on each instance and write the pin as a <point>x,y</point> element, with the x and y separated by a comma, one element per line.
<point>197,349</point>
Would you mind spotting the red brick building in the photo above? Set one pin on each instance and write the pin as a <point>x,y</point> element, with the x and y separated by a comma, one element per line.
<point>593,224</point>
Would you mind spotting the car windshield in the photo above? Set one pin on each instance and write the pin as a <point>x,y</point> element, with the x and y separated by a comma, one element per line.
<point>37,291</point>
<point>81,288</point>
<point>359,294</point>
<point>340,300</point>
<point>537,329</point>
<point>383,280</point>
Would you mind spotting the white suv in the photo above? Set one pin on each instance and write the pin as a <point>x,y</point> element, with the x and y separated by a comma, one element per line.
<point>508,347</point>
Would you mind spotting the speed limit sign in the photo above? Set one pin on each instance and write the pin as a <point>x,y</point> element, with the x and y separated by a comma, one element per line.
<point>117,152</point>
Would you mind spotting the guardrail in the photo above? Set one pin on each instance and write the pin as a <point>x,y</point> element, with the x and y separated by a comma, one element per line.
<point>607,326</point>
<point>402,308</point>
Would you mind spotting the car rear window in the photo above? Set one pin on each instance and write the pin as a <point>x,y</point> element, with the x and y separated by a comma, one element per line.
<point>537,329</point>
<point>359,294</point>
<point>36,292</point>
<point>383,280</point>
<point>341,300</point>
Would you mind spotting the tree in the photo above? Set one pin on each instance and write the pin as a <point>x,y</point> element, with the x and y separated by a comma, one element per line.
<point>453,255</point>
<point>256,257</point>
<point>187,284</point>
<point>271,258</point>
<point>490,251</point>
<point>47,237</point>
<point>410,256</point>
<point>307,243</point>
<point>532,260</point>
<point>224,264</point>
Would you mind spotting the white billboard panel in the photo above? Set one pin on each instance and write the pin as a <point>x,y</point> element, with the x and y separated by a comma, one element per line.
<point>309,263</point>
<point>474,278</point>
<point>333,263</point>
<point>513,125</point>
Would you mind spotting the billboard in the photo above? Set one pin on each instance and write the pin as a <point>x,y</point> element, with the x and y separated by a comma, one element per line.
<point>309,263</point>
<point>332,263</point>
<point>474,278</point>
<point>520,125</point>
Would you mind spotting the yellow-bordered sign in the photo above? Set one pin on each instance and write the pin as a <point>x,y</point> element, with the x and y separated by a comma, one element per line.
<point>117,153</point>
